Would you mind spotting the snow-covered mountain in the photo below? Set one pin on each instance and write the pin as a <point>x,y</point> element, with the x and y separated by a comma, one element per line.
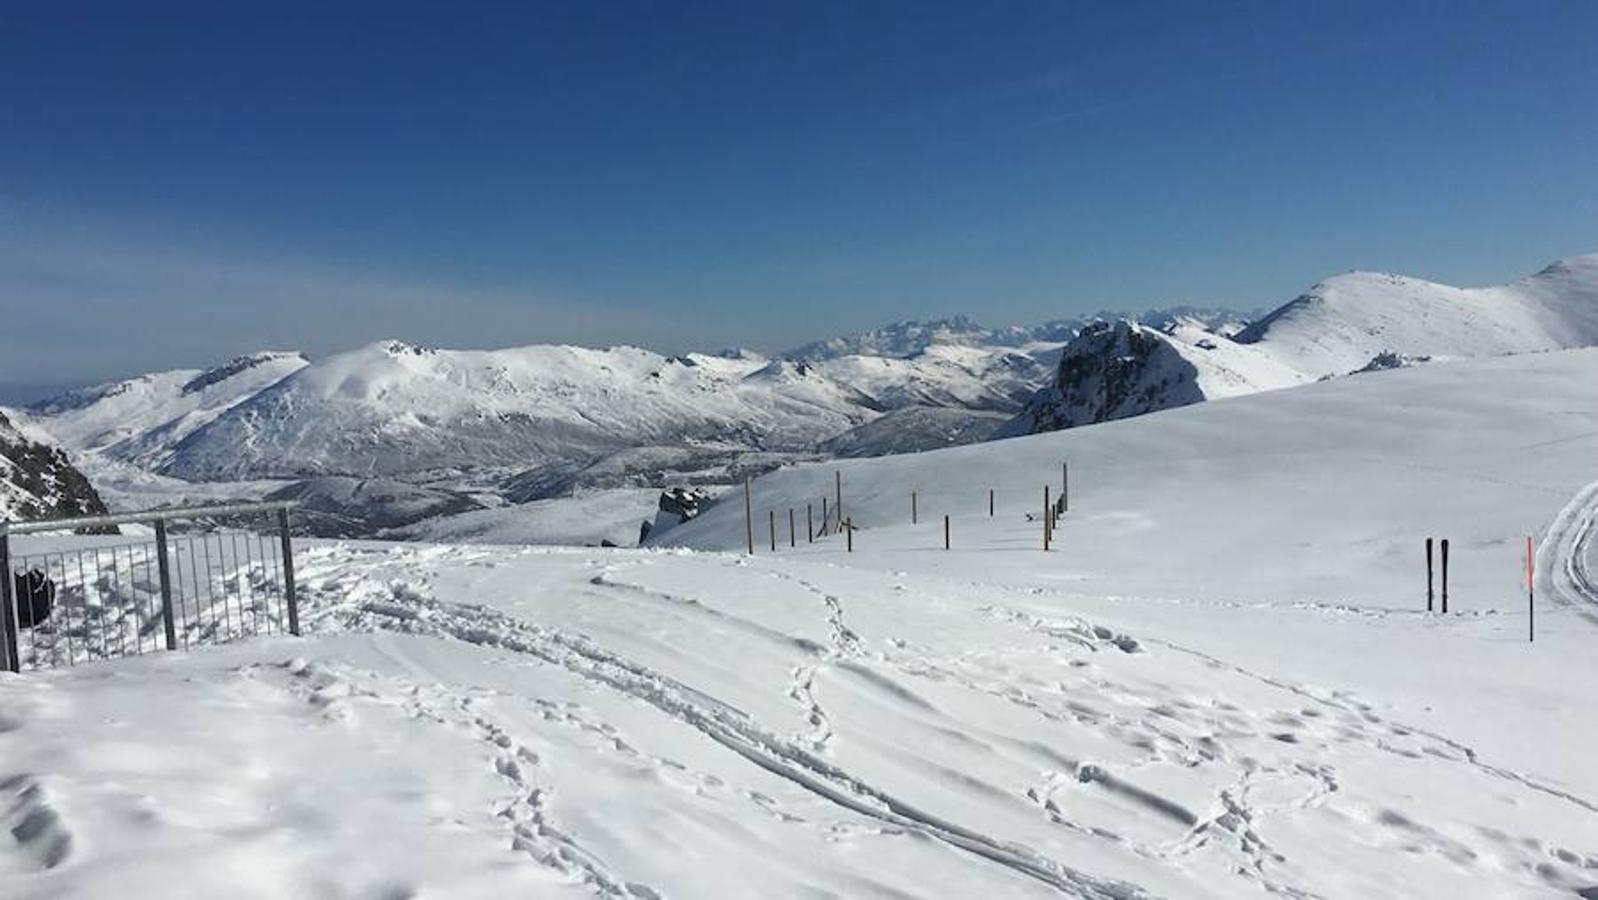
<point>140,419</point>
<point>1340,324</point>
<point>1351,323</point>
<point>391,408</point>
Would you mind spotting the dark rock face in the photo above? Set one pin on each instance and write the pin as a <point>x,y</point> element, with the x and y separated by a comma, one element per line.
<point>227,370</point>
<point>1110,371</point>
<point>684,503</point>
<point>44,481</point>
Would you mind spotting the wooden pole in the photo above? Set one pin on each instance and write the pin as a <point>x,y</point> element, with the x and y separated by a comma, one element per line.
<point>990,503</point>
<point>286,548</point>
<point>848,530</point>
<point>945,532</point>
<point>1065,486</point>
<point>912,507</point>
<point>837,480</point>
<point>773,514</point>
<point>1048,516</point>
<point>824,515</point>
<point>749,518</point>
<point>810,526</point>
<point>793,541</point>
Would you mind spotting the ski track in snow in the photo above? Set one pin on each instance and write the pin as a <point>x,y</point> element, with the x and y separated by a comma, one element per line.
<point>1236,816</point>
<point>407,610</point>
<point>1566,549</point>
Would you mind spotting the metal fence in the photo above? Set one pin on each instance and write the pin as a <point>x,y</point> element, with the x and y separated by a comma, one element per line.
<point>190,576</point>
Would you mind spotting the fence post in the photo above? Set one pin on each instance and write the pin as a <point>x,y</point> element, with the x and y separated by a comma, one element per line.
<point>1065,487</point>
<point>1445,576</point>
<point>749,518</point>
<point>793,540</point>
<point>945,532</point>
<point>1048,518</point>
<point>163,565</point>
<point>771,526</point>
<point>810,527</point>
<point>288,571</point>
<point>990,503</point>
<point>848,528</point>
<point>824,515</point>
<point>837,480</point>
<point>10,656</point>
<point>913,518</point>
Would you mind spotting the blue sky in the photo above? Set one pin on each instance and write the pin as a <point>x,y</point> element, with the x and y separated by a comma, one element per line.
<point>181,182</point>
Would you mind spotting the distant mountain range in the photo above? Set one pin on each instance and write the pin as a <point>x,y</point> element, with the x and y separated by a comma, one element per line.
<point>905,339</point>
<point>410,431</point>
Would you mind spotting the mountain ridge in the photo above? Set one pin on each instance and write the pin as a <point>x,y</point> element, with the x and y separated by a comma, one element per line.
<point>1345,324</point>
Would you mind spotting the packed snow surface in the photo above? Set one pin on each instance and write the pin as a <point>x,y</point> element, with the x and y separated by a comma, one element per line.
<point>1221,682</point>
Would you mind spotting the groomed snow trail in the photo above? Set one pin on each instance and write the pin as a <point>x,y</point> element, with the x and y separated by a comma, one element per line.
<point>1569,546</point>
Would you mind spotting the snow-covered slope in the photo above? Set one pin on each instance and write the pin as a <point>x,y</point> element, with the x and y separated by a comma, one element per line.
<point>1338,325</point>
<point>1220,683</point>
<point>1351,323</point>
<point>340,506</point>
<point>914,429</point>
<point>1342,479</point>
<point>140,419</point>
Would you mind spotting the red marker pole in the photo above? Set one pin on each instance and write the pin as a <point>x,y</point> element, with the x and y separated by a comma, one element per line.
<point>1531,584</point>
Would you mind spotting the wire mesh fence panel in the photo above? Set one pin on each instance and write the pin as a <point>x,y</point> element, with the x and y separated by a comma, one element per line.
<point>205,576</point>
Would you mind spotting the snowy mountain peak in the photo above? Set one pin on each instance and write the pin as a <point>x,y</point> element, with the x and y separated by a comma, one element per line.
<point>138,419</point>
<point>1341,323</point>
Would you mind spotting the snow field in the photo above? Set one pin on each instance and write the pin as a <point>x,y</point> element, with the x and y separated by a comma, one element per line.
<point>1221,684</point>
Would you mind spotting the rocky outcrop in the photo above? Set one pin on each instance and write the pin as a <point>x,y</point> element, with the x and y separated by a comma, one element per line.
<point>37,481</point>
<point>1112,370</point>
